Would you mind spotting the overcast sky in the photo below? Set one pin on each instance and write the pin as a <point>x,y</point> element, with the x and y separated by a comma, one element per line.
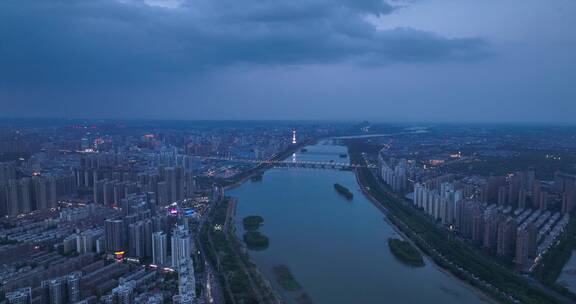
<point>411,60</point>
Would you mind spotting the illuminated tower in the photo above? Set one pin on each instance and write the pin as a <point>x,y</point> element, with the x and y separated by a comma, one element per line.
<point>294,137</point>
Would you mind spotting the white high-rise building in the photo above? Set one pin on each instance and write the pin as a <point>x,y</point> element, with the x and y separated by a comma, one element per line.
<point>445,204</point>
<point>73,286</point>
<point>86,240</point>
<point>394,172</point>
<point>186,279</point>
<point>182,249</point>
<point>181,245</point>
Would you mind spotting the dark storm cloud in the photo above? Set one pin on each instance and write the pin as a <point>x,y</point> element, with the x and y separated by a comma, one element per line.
<point>106,42</point>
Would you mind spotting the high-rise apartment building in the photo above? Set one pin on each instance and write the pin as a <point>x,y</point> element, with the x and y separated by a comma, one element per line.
<point>159,248</point>
<point>114,234</point>
<point>20,296</point>
<point>181,245</point>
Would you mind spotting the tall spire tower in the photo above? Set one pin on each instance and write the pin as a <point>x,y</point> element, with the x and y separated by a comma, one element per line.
<point>294,137</point>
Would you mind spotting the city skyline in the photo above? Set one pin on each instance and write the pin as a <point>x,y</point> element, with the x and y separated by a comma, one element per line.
<point>148,212</point>
<point>287,151</point>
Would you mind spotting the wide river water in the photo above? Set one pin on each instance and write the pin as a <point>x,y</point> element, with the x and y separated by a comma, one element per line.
<point>336,249</point>
<point>567,277</point>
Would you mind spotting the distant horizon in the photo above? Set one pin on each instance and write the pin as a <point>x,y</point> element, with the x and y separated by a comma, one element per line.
<point>297,120</point>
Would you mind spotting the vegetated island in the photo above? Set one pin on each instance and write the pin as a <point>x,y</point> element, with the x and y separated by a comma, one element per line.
<point>406,252</point>
<point>343,191</point>
<point>255,240</point>
<point>285,278</point>
<point>252,222</point>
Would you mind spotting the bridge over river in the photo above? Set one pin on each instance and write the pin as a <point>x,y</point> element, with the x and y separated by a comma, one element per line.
<point>292,163</point>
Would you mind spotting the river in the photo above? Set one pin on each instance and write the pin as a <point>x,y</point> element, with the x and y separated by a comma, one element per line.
<point>336,249</point>
<point>567,277</point>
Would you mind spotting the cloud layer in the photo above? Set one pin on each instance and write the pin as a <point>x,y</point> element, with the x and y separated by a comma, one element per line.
<point>114,42</point>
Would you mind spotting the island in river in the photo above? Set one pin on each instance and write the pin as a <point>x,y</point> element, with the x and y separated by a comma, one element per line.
<point>255,240</point>
<point>406,252</point>
<point>343,191</point>
<point>252,222</point>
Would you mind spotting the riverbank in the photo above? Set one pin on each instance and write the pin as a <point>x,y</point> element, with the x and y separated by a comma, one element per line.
<point>285,278</point>
<point>242,281</point>
<point>554,261</point>
<point>241,251</point>
<point>461,260</point>
<point>401,233</point>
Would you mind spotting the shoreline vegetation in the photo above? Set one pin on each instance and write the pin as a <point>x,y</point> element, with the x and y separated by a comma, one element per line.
<point>343,191</point>
<point>285,278</point>
<point>240,279</point>
<point>405,252</point>
<point>460,259</point>
<point>288,282</point>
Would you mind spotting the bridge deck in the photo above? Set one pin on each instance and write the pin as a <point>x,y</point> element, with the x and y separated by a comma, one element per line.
<point>290,163</point>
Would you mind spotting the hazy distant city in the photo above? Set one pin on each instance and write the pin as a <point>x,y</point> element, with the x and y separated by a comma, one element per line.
<point>287,152</point>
